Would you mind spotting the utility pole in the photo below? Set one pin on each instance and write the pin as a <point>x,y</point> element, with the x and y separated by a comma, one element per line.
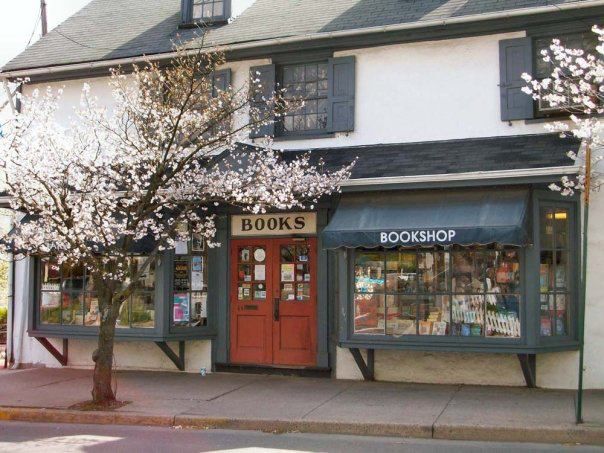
<point>43,16</point>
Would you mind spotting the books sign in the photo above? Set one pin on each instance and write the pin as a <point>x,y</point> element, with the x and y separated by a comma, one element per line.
<point>274,224</point>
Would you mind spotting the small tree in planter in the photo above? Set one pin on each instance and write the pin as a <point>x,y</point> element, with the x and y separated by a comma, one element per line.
<point>576,86</point>
<point>164,156</point>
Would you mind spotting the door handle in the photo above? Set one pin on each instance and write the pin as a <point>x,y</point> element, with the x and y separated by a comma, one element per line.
<point>276,309</point>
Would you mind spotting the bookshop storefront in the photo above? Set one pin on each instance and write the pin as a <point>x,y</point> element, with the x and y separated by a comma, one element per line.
<point>472,270</point>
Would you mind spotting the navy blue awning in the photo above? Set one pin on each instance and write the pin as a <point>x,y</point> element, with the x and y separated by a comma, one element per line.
<point>463,217</point>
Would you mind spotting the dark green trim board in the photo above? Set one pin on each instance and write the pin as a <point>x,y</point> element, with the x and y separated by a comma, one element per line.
<point>221,292</point>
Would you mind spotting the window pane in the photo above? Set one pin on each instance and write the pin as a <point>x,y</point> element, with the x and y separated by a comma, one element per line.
<point>218,9</point>
<point>434,315</point>
<point>180,309</point>
<point>561,281</point>
<point>546,271</point>
<point>467,272</point>
<point>402,272</point>
<point>73,277</point>
<point>50,308</point>
<point>91,311</point>
<point>468,315</point>
<point>369,272</point>
<point>503,318</point>
<point>547,307</point>
<point>503,272</point>
<point>402,315</point>
<point>197,12</point>
<point>123,318</point>
<point>561,228</point>
<point>72,309</point>
<point>143,310</point>
<point>50,275</point>
<point>147,277</point>
<point>433,269</point>
<point>561,314</point>
<point>546,229</point>
<point>199,309</point>
<point>207,10</point>
<point>369,313</point>
<point>181,275</point>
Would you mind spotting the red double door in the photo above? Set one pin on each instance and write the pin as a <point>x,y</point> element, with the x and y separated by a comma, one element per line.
<point>273,302</point>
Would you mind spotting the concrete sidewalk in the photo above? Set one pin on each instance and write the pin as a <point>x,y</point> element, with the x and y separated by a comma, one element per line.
<point>276,403</point>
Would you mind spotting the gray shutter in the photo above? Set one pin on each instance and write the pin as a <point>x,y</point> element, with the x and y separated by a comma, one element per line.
<point>221,81</point>
<point>259,93</point>
<point>340,105</point>
<point>515,58</point>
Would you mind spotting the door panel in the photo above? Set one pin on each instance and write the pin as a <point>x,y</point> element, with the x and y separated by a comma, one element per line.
<point>251,308</point>
<point>294,283</point>
<point>273,301</point>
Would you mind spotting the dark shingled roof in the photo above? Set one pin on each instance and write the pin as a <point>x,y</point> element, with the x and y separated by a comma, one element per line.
<point>110,29</point>
<point>449,156</point>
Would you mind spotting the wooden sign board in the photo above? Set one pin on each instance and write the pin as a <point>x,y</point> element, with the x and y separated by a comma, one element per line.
<point>284,224</point>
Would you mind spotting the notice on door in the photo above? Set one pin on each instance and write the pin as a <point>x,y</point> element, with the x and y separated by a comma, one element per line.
<point>274,224</point>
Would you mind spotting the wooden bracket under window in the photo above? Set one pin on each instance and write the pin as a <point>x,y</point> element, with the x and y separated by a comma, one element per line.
<point>61,357</point>
<point>178,360</point>
<point>528,362</point>
<point>367,369</point>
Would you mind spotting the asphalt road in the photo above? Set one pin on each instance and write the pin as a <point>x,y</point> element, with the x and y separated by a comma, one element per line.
<point>46,437</point>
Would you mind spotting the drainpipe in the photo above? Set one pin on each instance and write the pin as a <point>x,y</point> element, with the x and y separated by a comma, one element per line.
<point>11,311</point>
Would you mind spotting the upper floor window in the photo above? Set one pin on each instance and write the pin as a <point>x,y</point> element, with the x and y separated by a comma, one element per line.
<point>327,88</point>
<point>541,69</point>
<point>308,82</point>
<point>206,11</point>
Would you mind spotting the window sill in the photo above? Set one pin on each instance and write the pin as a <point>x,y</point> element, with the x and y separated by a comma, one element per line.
<point>199,23</point>
<point>551,119</point>
<point>284,138</point>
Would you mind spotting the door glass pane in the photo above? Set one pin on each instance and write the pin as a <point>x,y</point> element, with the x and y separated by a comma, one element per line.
<point>468,315</point>
<point>302,291</point>
<point>369,272</point>
<point>259,291</point>
<point>401,315</point>
<point>288,291</point>
<point>244,291</point>
<point>369,314</point>
<point>288,253</point>
<point>433,315</point>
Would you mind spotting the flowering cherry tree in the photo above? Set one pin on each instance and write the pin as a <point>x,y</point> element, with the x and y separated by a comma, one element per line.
<point>165,154</point>
<point>576,87</point>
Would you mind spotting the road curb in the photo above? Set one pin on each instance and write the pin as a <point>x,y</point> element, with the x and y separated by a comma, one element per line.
<point>584,434</point>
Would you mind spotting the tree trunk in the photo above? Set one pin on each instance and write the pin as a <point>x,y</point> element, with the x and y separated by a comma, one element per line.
<point>102,391</point>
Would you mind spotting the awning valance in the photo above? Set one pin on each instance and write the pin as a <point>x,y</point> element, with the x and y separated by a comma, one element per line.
<point>463,217</point>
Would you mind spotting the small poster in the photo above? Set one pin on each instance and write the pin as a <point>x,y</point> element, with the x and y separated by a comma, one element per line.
<point>197,264</point>
<point>287,272</point>
<point>181,248</point>
<point>260,272</point>
<point>181,275</point>
<point>181,307</point>
<point>245,255</point>
<point>439,328</point>
<point>196,281</point>
<point>306,277</point>
<point>259,255</point>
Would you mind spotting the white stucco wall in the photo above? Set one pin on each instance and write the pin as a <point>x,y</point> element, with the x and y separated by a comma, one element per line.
<point>404,93</point>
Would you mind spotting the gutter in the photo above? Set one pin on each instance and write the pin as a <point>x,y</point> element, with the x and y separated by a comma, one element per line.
<point>306,38</point>
<point>467,176</point>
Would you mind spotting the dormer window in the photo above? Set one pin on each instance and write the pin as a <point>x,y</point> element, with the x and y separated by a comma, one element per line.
<point>206,11</point>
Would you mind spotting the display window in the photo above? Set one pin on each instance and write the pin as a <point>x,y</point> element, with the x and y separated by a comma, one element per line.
<point>68,296</point>
<point>554,271</point>
<point>189,284</point>
<point>459,291</point>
